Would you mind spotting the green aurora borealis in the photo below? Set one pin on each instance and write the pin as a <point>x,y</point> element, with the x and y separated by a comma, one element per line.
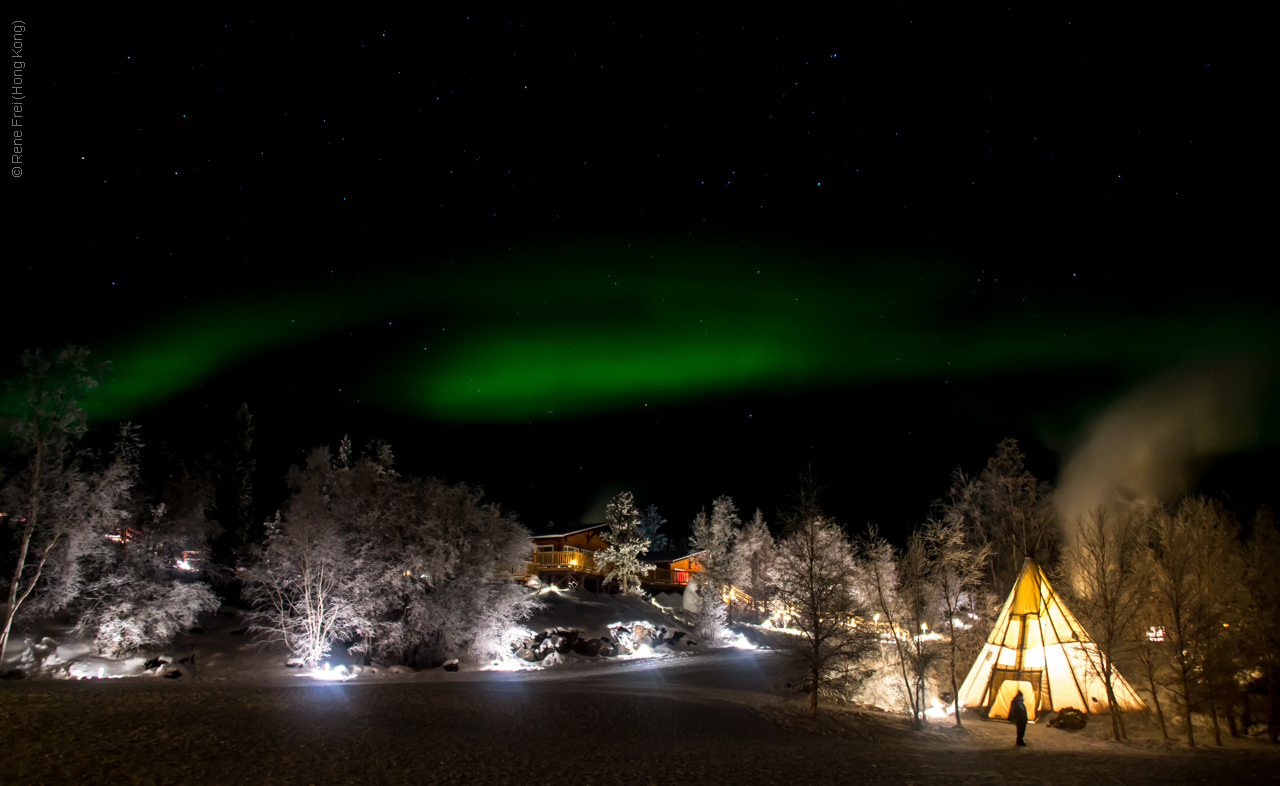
<point>588,329</point>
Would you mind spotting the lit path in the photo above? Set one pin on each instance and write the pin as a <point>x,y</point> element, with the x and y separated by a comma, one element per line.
<point>712,719</point>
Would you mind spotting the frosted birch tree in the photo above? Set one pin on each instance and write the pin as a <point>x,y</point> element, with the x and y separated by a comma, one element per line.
<point>303,581</point>
<point>1105,582</point>
<point>881,585</point>
<point>957,573</point>
<point>814,574</point>
<point>920,600</point>
<point>1192,583</point>
<point>1147,643</point>
<point>54,502</point>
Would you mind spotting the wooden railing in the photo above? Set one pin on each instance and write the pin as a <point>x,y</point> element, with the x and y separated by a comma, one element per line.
<point>586,562</point>
<point>506,571</point>
<point>677,578</point>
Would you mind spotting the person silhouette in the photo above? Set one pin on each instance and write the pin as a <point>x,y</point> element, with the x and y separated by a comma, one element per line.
<point>1018,716</point>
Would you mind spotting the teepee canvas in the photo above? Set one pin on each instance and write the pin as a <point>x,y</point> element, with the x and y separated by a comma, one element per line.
<point>1037,647</point>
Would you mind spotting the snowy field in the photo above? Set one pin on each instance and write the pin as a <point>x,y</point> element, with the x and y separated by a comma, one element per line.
<point>711,718</point>
<point>662,714</point>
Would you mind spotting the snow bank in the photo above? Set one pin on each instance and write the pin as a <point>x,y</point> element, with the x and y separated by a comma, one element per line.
<point>575,628</point>
<point>592,616</point>
<point>572,628</point>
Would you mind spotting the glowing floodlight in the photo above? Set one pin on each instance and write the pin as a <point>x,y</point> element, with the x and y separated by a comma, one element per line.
<point>328,674</point>
<point>939,710</point>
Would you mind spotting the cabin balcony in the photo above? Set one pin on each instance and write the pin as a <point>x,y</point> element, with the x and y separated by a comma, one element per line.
<point>581,561</point>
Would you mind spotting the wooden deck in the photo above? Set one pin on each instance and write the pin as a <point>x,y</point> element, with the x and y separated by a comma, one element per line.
<point>583,562</point>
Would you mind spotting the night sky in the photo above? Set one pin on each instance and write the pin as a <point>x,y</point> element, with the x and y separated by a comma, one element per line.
<point>563,256</point>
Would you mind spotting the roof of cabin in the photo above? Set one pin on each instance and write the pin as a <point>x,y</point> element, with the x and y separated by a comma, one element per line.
<point>669,556</point>
<point>570,532</point>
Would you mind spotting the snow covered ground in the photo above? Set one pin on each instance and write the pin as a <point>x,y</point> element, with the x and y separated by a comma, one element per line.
<point>221,649</point>
<point>687,715</point>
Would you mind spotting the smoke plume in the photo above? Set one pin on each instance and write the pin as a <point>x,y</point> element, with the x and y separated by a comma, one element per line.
<point>1154,441</point>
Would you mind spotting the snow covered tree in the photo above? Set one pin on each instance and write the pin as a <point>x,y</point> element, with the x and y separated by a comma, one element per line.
<point>813,574</point>
<point>1008,508</point>
<point>883,586</point>
<point>403,566</point>
<point>651,527</point>
<point>344,459</point>
<point>1221,599</point>
<point>378,452</point>
<point>714,537</point>
<point>132,594</point>
<point>430,550</point>
<point>57,504</point>
<point>753,554</point>
<point>1105,582</point>
<point>1262,611</point>
<point>303,581</point>
<point>626,544</point>
<point>1195,571</point>
<point>1147,645</point>
<point>957,573</point>
<point>718,538</point>
<point>918,593</point>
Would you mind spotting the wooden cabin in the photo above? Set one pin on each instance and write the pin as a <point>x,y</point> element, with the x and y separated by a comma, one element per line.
<point>565,557</point>
<point>672,568</point>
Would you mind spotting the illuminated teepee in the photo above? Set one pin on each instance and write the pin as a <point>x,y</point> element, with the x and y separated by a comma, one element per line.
<point>1039,648</point>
